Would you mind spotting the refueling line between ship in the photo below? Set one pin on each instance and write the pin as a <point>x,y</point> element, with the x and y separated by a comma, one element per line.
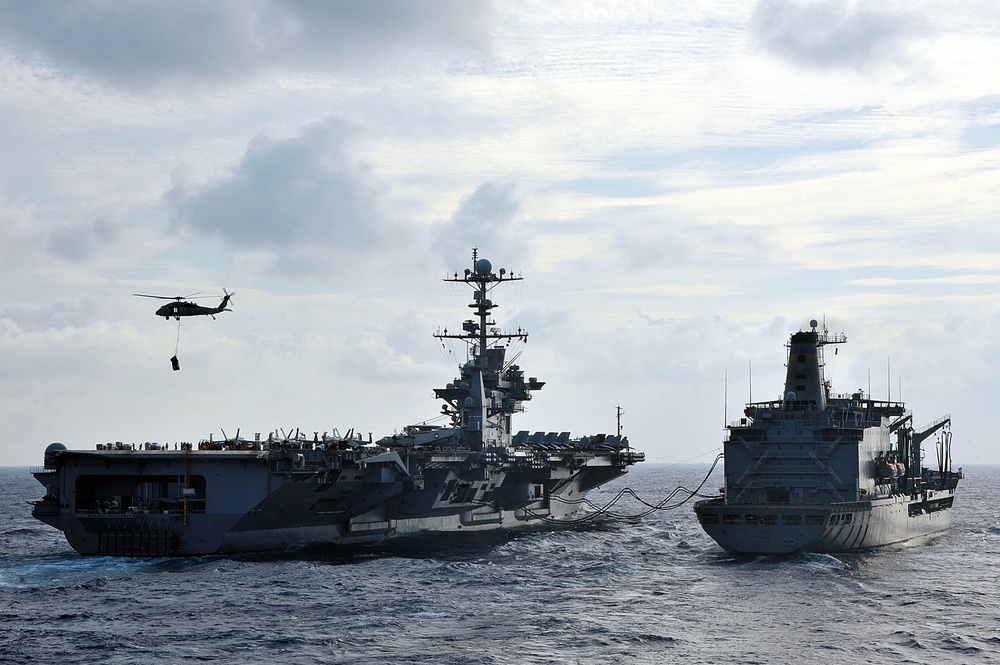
<point>628,491</point>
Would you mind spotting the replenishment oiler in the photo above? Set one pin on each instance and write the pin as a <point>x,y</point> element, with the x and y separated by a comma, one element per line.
<point>818,472</point>
<point>277,492</point>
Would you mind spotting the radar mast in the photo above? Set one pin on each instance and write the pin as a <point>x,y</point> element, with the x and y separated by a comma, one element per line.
<point>489,388</point>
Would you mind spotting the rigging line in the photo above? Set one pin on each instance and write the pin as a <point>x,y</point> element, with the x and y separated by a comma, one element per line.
<point>698,456</point>
<point>635,496</point>
<point>661,506</point>
<point>605,510</point>
<point>447,355</point>
<point>612,502</point>
<point>434,419</point>
<point>177,345</point>
<point>621,493</point>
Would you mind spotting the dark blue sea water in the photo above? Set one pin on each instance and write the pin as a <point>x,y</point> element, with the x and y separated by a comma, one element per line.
<point>656,590</point>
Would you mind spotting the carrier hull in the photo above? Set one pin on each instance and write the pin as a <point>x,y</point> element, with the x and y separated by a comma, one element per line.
<point>167,503</point>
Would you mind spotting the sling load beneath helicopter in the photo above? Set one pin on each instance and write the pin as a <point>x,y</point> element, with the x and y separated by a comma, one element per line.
<point>181,307</point>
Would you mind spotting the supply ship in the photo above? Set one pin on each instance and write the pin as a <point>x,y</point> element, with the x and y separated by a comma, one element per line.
<point>819,472</point>
<point>237,495</point>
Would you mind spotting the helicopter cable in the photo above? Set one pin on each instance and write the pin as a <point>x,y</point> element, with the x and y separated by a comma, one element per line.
<point>175,363</point>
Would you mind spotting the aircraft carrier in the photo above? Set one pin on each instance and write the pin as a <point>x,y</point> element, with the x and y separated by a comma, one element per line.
<point>819,472</point>
<point>471,473</point>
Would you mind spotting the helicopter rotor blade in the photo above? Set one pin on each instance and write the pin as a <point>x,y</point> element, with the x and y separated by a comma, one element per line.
<point>147,295</point>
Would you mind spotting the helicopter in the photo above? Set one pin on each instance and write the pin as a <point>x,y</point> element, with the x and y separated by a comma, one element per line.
<point>180,307</point>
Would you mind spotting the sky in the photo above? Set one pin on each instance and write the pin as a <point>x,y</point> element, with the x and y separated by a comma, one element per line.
<point>682,185</point>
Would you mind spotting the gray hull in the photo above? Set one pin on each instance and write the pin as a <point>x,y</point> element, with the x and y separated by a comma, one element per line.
<point>836,527</point>
<point>817,471</point>
<point>165,503</point>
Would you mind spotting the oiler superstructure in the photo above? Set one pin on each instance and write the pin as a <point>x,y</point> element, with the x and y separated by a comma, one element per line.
<point>239,495</point>
<point>819,472</point>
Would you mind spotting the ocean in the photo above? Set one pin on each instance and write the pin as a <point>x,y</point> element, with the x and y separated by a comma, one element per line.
<point>611,590</point>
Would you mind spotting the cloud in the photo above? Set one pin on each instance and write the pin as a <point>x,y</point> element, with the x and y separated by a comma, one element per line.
<point>142,44</point>
<point>78,243</point>
<point>669,243</point>
<point>20,233</point>
<point>485,219</point>
<point>304,197</point>
<point>833,34</point>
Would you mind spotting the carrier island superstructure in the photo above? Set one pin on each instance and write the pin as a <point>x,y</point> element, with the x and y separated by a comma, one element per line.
<point>819,472</point>
<point>238,495</point>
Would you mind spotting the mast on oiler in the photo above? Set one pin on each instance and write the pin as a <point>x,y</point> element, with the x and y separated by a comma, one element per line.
<point>805,383</point>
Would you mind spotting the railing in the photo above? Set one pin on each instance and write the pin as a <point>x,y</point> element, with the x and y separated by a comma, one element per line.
<point>117,513</point>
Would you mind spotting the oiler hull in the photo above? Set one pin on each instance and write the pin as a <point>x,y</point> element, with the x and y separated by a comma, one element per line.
<point>154,504</point>
<point>769,529</point>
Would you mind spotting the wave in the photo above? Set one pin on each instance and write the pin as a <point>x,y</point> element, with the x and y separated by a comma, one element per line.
<point>70,570</point>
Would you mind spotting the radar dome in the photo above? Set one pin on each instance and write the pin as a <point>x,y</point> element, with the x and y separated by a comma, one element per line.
<point>814,323</point>
<point>50,453</point>
<point>483,267</point>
